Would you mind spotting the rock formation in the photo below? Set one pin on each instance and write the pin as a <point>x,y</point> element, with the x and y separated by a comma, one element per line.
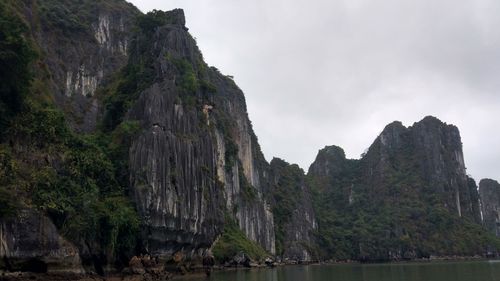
<point>294,217</point>
<point>195,159</point>
<point>183,174</point>
<point>79,45</point>
<point>489,191</point>
<point>83,43</point>
<point>408,183</point>
<point>31,242</point>
<point>434,149</point>
<point>125,132</point>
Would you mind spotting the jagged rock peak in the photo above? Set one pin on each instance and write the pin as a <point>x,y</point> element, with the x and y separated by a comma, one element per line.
<point>332,151</point>
<point>430,119</point>
<point>330,158</point>
<point>391,135</point>
<point>176,16</point>
<point>433,122</point>
<point>395,125</point>
<point>278,162</point>
<point>489,183</point>
<point>436,149</point>
<point>429,128</point>
<point>279,166</point>
<point>426,121</point>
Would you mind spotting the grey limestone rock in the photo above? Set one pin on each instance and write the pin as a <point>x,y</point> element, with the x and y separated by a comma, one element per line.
<point>30,241</point>
<point>489,191</point>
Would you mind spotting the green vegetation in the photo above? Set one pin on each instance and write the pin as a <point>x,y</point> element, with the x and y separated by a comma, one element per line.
<point>397,217</point>
<point>78,187</point>
<point>286,193</point>
<point>248,192</point>
<point>74,18</point>
<point>64,17</point>
<point>149,22</point>
<point>207,87</point>
<point>16,54</point>
<point>82,181</point>
<point>78,180</point>
<point>119,96</point>
<point>8,172</point>
<point>188,82</point>
<point>224,125</point>
<point>138,74</point>
<point>233,241</point>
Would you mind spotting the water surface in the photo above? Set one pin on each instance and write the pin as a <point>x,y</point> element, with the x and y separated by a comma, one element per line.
<point>435,271</point>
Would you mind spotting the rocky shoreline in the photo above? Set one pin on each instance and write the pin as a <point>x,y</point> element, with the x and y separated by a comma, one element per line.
<point>147,269</point>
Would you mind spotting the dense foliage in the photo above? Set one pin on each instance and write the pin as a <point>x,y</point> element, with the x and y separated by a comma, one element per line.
<point>138,74</point>
<point>16,53</point>
<point>286,192</point>
<point>233,241</point>
<point>73,18</point>
<point>78,180</point>
<point>77,184</point>
<point>399,217</point>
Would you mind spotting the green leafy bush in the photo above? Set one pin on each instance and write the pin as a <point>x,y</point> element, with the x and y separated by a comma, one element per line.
<point>149,22</point>
<point>233,241</point>
<point>73,177</point>
<point>188,81</point>
<point>84,198</point>
<point>41,126</point>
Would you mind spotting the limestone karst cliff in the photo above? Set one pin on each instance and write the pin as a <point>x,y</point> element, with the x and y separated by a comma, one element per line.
<point>59,52</point>
<point>83,44</point>
<point>434,149</point>
<point>124,109</point>
<point>294,217</point>
<point>118,140</point>
<point>489,191</point>
<point>196,157</point>
<point>409,191</point>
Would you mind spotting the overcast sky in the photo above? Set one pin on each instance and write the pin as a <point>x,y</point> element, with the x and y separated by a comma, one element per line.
<point>324,72</point>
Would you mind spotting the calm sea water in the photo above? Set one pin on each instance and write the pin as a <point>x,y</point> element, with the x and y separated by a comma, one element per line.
<point>442,271</point>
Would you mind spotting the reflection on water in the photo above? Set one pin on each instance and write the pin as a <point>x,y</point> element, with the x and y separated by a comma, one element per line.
<point>443,271</point>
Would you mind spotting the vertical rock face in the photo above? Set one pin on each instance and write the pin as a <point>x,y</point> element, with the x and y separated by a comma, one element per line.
<point>439,149</point>
<point>197,155</point>
<point>245,175</point>
<point>407,184</point>
<point>474,201</point>
<point>329,162</point>
<point>294,216</point>
<point>80,44</point>
<point>196,158</point>
<point>433,150</point>
<point>489,191</point>
<point>330,170</point>
<point>31,242</point>
<point>83,43</point>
